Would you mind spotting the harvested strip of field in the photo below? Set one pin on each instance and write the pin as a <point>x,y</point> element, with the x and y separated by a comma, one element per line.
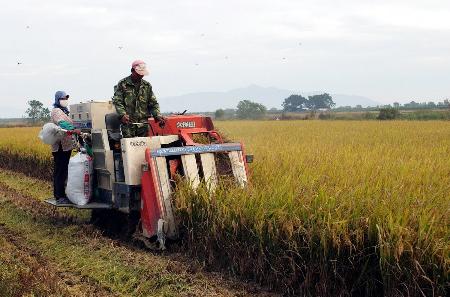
<point>79,259</point>
<point>22,272</point>
<point>26,271</point>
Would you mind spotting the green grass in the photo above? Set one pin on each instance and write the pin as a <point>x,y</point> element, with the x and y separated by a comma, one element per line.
<point>17,274</point>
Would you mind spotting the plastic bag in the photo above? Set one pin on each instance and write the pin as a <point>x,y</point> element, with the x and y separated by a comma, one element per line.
<point>51,133</point>
<point>79,180</point>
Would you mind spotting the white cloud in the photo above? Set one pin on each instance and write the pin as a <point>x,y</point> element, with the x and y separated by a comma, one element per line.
<point>381,49</point>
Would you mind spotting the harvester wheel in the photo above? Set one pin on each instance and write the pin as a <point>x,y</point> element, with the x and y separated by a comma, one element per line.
<point>114,223</point>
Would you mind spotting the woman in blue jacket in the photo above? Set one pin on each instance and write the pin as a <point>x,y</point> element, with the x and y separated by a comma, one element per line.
<point>62,149</point>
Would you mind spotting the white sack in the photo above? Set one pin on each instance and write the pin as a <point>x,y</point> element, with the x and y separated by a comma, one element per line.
<point>51,133</point>
<point>79,180</point>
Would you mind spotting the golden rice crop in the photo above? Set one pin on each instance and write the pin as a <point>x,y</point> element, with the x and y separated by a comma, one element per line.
<point>22,150</point>
<point>333,208</point>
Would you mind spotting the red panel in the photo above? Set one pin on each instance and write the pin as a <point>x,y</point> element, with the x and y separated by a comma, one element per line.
<point>150,212</point>
<point>208,124</point>
<point>177,123</point>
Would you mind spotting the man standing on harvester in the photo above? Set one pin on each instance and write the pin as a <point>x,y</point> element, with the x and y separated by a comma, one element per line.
<point>135,102</point>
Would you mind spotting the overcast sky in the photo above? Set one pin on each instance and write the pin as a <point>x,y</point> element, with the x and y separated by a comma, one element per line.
<point>386,50</point>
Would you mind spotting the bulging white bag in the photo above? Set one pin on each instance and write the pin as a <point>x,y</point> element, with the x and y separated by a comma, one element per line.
<point>51,133</point>
<point>79,180</point>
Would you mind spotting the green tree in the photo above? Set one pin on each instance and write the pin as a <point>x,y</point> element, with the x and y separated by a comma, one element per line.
<point>320,101</point>
<point>247,109</point>
<point>294,103</point>
<point>45,115</point>
<point>388,113</point>
<point>219,114</point>
<point>37,112</point>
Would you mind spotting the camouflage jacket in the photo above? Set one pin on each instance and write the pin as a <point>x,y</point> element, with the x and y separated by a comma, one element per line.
<point>139,104</point>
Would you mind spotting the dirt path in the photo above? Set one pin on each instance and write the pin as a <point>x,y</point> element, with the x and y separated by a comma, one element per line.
<point>67,256</point>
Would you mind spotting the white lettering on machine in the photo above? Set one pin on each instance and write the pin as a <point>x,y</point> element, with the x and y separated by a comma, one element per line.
<point>185,124</point>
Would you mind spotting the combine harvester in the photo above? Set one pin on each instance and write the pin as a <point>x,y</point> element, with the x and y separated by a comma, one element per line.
<point>136,176</point>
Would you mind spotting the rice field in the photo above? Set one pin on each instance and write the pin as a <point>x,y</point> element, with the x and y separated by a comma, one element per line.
<point>22,150</point>
<point>333,209</point>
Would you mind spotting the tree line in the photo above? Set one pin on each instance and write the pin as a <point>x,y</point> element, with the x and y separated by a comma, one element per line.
<point>445,104</point>
<point>247,109</point>
<point>297,103</point>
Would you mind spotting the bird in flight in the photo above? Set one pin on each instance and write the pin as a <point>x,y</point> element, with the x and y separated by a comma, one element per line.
<point>120,47</point>
<point>19,63</point>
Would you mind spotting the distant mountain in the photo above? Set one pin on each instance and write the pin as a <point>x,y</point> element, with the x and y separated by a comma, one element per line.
<point>268,96</point>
